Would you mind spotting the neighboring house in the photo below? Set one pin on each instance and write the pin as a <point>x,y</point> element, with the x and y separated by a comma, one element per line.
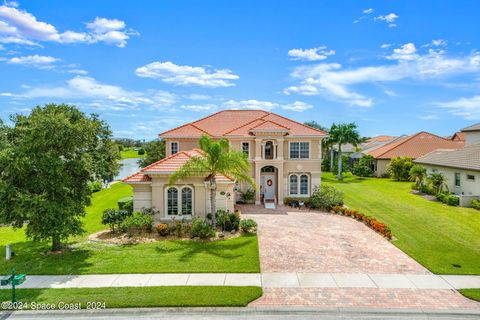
<point>285,158</point>
<point>472,134</point>
<point>461,169</point>
<point>413,146</point>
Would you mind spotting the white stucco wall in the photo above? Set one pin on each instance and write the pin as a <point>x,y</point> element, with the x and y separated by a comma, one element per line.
<point>467,187</point>
<point>472,137</point>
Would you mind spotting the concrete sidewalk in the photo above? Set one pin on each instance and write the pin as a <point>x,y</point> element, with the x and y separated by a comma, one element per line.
<point>265,280</point>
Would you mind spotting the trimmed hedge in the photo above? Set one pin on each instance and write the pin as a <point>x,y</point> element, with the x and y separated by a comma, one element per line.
<point>126,204</point>
<point>475,204</point>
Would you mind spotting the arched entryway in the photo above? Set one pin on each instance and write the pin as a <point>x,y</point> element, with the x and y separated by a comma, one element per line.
<point>268,184</point>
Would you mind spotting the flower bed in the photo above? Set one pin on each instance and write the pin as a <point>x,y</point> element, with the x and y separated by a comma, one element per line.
<point>369,221</point>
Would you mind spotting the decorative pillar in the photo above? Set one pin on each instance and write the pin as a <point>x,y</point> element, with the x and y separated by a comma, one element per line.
<point>280,143</point>
<point>280,180</point>
<point>258,149</point>
<point>257,182</point>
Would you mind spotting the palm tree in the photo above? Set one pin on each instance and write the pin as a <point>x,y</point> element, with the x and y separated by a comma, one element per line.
<point>341,134</point>
<point>438,181</point>
<point>418,174</point>
<point>217,159</point>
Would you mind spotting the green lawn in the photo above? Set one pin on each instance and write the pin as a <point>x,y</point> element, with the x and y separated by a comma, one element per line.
<point>232,255</point>
<point>436,235</point>
<point>130,153</point>
<point>130,297</point>
<point>473,294</point>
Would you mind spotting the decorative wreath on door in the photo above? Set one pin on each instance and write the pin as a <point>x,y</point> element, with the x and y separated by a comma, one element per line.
<point>269,182</point>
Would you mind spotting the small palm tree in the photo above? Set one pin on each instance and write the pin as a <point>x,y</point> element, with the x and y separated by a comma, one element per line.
<point>341,134</point>
<point>217,159</point>
<point>418,175</point>
<point>438,182</point>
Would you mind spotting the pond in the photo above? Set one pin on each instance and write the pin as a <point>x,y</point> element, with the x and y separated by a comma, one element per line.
<point>128,167</point>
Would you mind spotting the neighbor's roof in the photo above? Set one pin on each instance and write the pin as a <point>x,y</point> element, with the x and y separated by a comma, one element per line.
<point>467,158</point>
<point>168,165</point>
<point>241,123</point>
<point>475,127</point>
<point>458,136</point>
<point>414,146</point>
<point>380,138</point>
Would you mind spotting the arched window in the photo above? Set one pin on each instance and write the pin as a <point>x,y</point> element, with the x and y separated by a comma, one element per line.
<point>293,184</point>
<point>172,201</point>
<point>187,200</point>
<point>304,184</point>
<point>269,150</point>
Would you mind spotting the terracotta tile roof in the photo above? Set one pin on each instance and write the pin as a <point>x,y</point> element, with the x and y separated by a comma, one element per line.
<point>270,125</point>
<point>168,165</point>
<point>475,127</point>
<point>138,177</point>
<point>459,136</point>
<point>239,122</point>
<point>380,138</point>
<point>467,158</point>
<point>414,146</point>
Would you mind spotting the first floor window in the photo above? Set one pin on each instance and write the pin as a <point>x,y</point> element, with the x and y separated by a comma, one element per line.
<point>304,184</point>
<point>180,201</point>
<point>299,184</point>
<point>457,179</point>
<point>187,201</point>
<point>172,201</point>
<point>293,184</point>
<point>470,177</point>
<point>174,147</point>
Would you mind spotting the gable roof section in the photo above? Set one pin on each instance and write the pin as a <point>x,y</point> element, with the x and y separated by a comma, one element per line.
<point>380,139</point>
<point>168,165</point>
<point>467,158</point>
<point>414,146</point>
<point>475,127</point>
<point>458,136</point>
<point>239,123</point>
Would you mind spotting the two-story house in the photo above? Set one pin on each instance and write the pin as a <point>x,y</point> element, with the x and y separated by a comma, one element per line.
<point>285,158</point>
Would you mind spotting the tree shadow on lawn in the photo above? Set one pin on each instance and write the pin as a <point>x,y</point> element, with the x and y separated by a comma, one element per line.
<point>217,248</point>
<point>346,180</point>
<point>36,258</point>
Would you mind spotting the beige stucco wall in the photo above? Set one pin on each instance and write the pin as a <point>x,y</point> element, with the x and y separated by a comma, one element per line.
<point>142,197</point>
<point>183,145</point>
<point>382,165</point>
<point>467,187</point>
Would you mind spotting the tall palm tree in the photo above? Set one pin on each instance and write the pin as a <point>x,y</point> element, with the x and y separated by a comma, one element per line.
<point>341,134</point>
<point>217,159</point>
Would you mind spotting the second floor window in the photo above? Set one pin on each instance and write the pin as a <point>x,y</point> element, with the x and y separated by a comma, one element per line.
<point>269,150</point>
<point>174,147</point>
<point>246,149</point>
<point>299,150</point>
<point>457,179</point>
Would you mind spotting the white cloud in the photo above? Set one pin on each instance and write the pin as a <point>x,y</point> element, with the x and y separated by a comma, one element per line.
<point>368,11</point>
<point>405,52</point>
<point>41,62</point>
<point>467,108</point>
<point>313,54</point>
<point>21,27</point>
<point>385,45</point>
<point>297,106</point>
<point>196,96</point>
<point>200,107</point>
<point>439,43</point>
<point>389,19</point>
<point>334,82</point>
<point>429,117</point>
<point>95,94</point>
<point>172,73</point>
<point>78,71</point>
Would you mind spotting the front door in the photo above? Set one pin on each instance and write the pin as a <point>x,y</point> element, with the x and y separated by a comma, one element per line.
<point>269,186</point>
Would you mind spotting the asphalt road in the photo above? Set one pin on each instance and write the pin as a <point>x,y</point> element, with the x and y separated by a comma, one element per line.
<point>246,313</point>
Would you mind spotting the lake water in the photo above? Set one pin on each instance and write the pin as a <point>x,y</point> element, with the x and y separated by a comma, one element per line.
<point>129,167</point>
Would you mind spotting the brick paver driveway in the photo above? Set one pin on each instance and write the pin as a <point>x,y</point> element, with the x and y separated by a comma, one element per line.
<point>315,242</point>
<point>306,241</point>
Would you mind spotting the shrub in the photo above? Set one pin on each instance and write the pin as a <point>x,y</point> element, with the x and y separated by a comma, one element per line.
<point>293,201</point>
<point>248,225</point>
<point>163,229</point>
<point>137,222</point>
<point>363,168</point>
<point>399,168</point>
<point>126,204</point>
<point>95,186</point>
<point>248,196</point>
<point>114,218</point>
<point>201,228</point>
<point>326,197</point>
<point>475,204</point>
<point>141,152</point>
<point>448,199</point>
<point>227,220</point>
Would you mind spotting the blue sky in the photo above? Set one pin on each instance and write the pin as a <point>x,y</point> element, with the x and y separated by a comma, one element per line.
<point>393,67</point>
